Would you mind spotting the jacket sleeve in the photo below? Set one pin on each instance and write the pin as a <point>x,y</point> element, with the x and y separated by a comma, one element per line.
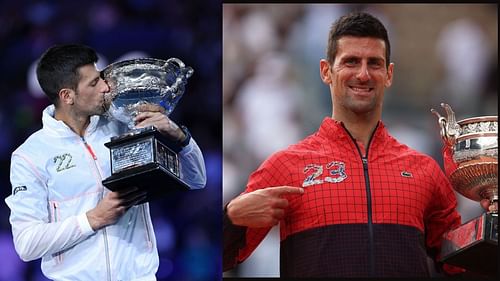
<point>34,229</point>
<point>441,217</point>
<point>233,239</point>
<point>193,165</point>
<point>240,242</point>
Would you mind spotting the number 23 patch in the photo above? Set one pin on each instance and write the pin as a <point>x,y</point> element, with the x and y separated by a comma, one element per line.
<point>314,173</point>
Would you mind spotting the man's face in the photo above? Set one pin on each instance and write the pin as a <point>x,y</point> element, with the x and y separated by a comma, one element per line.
<point>359,74</point>
<point>89,98</point>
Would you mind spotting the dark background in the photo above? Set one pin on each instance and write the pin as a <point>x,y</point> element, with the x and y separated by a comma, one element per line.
<point>187,224</point>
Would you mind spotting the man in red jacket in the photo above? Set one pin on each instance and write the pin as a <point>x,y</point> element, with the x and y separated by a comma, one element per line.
<point>367,205</point>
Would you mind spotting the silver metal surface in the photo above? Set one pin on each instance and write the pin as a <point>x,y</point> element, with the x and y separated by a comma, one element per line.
<point>141,81</point>
<point>471,154</point>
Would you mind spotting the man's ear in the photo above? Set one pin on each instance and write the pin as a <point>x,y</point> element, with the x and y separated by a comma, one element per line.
<point>390,71</point>
<point>324,71</point>
<point>66,96</point>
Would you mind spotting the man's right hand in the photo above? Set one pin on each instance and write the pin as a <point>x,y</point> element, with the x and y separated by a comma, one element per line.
<point>112,206</point>
<point>261,208</point>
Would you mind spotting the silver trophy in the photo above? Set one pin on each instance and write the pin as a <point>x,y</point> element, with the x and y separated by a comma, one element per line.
<point>144,157</point>
<point>470,160</point>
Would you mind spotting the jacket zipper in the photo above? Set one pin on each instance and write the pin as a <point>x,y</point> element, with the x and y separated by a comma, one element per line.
<point>105,235</point>
<point>371,256</point>
<point>146,225</point>
<point>89,149</point>
<point>364,160</point>
<point>55,207</point>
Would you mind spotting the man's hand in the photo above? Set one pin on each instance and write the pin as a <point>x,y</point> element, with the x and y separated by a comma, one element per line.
<point>485,203</point>
<point>262,207</point>
<point>154,115</point>
<point>112,206</point>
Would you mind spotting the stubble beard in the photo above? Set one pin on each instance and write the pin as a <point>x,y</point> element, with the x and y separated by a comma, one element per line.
<point>359,106</point>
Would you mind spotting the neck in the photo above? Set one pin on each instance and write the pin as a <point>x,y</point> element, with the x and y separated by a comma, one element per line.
<point>359,126</point>
<point>77,123</point>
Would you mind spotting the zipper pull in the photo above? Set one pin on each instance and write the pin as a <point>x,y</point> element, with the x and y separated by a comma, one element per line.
<point>365,163</point>
<point>56,209</point>
<point>89,149</point>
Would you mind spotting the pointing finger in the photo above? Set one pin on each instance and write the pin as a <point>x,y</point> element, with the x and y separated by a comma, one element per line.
<point>285,190</point>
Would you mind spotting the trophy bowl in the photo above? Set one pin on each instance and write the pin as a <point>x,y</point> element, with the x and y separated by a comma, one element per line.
<point>476,155</point>
<point>146,80</point>
<point>470,159</point>
<point>144,157</point>
<point>471,154</point>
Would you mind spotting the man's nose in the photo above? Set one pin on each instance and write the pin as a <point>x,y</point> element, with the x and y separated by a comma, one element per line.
<point>363,74</point>
<point>105,87</point>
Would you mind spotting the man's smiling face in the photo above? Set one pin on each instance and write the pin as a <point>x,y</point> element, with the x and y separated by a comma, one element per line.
<point>359,74</point>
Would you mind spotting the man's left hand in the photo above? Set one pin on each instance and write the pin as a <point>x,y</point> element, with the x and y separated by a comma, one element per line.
<point>154,115</point>
<point>485,203</point>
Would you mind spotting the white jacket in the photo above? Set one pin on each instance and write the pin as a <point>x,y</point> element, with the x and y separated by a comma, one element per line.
<point>56,180</point>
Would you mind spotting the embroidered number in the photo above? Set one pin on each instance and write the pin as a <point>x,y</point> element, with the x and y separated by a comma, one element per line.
<point>63,162</point>
<point>317,170</point>
<point>336,173</point>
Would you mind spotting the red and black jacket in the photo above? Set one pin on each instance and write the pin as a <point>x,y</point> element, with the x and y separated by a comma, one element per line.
<point>373,214</point>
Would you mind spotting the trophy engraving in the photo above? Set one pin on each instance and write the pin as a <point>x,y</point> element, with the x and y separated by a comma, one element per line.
<point>470,159</point>
<point>144,157</point>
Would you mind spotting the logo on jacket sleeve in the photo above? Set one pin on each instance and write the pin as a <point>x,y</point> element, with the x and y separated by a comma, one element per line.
<point>18,189</point>
<point>314,173</point>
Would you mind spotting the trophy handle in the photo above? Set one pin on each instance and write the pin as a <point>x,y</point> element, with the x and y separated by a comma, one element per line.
<point>449,126</point>
<point>183,73</point>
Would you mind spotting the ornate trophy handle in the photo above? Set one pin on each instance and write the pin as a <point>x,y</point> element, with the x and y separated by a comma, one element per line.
<point>449,126</point>
<point>182,74</point>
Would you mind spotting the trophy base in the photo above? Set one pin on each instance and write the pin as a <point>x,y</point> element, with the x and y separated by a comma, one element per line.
<point>473,245</point>
<point>146,159</point>
<point>152,178</point>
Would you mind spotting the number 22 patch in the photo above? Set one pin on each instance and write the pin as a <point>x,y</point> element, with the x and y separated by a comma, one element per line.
<point>314,173</point>
<point>63,162</point>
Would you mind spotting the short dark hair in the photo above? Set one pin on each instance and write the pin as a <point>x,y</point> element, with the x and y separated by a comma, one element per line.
<point>58,67</point>
<point>357,24</point>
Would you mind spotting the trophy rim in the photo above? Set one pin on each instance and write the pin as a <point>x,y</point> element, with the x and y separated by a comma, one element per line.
<point>476,135</point>
<point>118,64</point>
<point>478,119</point>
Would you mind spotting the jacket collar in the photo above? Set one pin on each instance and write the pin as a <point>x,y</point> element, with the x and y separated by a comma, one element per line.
<point>59,128</point>
<point>334,129</point>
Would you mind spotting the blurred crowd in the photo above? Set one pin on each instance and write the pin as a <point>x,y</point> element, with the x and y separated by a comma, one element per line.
<point>273,95</point>
<point>187,225</point>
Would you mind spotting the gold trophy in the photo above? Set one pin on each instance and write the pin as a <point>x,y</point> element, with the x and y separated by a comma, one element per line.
<point>470,159</point>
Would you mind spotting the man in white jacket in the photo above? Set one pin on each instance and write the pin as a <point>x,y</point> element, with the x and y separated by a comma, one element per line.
<point>60,211</point>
